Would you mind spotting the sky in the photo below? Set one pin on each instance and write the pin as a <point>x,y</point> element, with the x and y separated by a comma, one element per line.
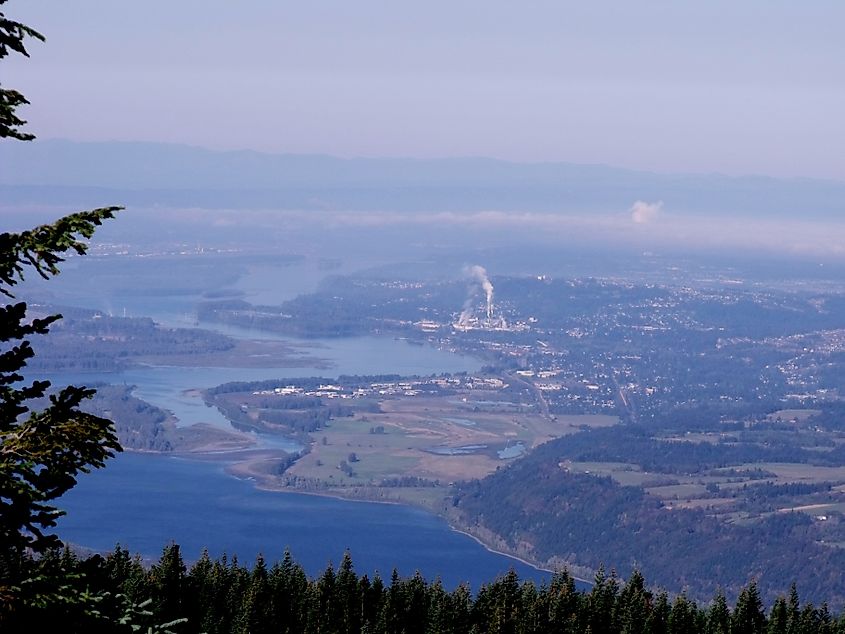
<point>751,87</point>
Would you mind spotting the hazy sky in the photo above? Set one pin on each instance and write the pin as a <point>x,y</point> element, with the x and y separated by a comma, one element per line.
<point>755,86</point>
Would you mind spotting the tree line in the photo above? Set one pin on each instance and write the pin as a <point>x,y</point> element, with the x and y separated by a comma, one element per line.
<point>223,595</point>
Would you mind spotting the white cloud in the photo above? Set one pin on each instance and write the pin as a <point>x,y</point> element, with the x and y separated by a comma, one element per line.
<point>644,213</point>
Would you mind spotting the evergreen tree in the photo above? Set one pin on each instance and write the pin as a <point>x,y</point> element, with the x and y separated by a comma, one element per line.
<point>167,580</point>
<point>13,36</point>
<point>633,605</point>
<point>684,616</point>
<point>50,577</point>
<point>41,452</point>
<point>809,620</point>
<point>290,594</point>
<point>201,597</point>
<point>563,603</point>
<point>255,613</point>
<point>218,619</point>
<point>329,616</point>
<point>373,602</point>
<point>658,619</point>
<point>392,616</point>
<point>778,617</point>
<point>461,606</point>
<point>825,620</point>
<point>531,618</point>
<point>748,617</point>
<point>498,607</point>
<point>368,615</point>
<point>415,595</point>
<point>237,582</point>
<point>125,574</point>
<point>348,595</point>
<point>602,602</point>
<point>718,616</point>
<point>793,611</point>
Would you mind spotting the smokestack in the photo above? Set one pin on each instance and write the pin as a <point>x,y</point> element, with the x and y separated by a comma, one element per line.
<point>480,274</point>
<point>468,317</point>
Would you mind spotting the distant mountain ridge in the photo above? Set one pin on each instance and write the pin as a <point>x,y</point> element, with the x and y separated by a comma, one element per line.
<point>179,175</point>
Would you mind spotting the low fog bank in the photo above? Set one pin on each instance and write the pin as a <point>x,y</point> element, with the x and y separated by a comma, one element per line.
<point>381,212</point>
<point>646,239</point>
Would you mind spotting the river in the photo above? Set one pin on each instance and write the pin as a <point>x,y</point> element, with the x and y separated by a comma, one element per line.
<point>145,501</point>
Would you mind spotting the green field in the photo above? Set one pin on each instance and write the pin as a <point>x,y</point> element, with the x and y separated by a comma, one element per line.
<point>435,439</point>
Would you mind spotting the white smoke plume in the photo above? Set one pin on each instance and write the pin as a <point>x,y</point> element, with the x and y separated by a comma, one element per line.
<point>644,213</point>
<point>480,280</point>
<point>466,311</point>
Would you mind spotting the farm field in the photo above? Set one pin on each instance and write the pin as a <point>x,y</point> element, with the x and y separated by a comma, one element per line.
<point>406,438</point>
<point>436,439</point>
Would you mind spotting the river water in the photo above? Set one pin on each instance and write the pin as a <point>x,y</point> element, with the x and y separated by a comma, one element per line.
<point>170,387</point>
<point>145,501</point>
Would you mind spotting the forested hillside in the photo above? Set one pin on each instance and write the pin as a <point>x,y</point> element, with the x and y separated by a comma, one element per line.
<point>552,514</point>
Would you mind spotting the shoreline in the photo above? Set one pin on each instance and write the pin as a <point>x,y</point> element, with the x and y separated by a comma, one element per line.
<point>240,465</point>
<point>495,551</point>
<point>511,556</point>
<point>243,469</point>
<point>258,484</point>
